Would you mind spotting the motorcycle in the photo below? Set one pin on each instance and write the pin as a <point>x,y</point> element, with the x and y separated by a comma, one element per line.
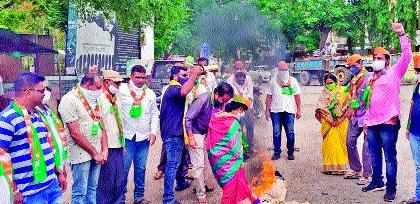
<point>258,109</point>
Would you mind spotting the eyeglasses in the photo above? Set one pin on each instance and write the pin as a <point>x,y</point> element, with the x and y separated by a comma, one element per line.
<point>184,75</point>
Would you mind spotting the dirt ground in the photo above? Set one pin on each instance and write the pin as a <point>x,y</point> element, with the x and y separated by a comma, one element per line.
<point>305,182</point>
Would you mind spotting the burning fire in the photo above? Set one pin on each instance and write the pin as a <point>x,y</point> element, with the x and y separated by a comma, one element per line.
<point>264,181</point>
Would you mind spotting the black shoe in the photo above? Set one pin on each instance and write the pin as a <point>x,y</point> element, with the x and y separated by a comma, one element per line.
<point>275,157</point>
<point>390,196</point>
<point>373,187</point>
<point>413,201</point>
<point>187,185</point>
<point>291,157</point>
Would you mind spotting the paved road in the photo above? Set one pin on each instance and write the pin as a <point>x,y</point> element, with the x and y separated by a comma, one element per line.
<point>305,182</point>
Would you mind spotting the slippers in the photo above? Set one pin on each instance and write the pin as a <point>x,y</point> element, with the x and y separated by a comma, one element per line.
<point>189,176</point>
<point>351,175</point>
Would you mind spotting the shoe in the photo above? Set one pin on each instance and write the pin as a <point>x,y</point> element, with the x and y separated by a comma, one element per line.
<point>390,196</point>
<point>275,157</point>
<point>208,189</point>
<point>291,157</point>
<point>363,181</point>
<point>143,201</point>
<point>373,187</point>
<point>413,201</point>
<point>187,185</point>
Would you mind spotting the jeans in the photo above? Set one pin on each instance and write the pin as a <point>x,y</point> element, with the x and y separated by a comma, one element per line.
<point>111,178</point>
<point>137,153</point>
<point>287,120</point>
<point>353,133</point>
<point>384,137</point>
<point>415,150</point>
<point>174,148</point>
<point>85,181</point>
<point>162,162</point>
<point>248,122</point>
<point>51,195</point>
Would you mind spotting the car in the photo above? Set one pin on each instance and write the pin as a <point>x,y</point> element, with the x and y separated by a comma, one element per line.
<point>260,73</point>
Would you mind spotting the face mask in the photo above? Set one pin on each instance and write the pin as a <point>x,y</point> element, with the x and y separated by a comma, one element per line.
<point>182,80</point>
<point>114,90</point>
<point>91,96</point>
<point>354,69</point>
<point>47,97</point>
<point>240,115</point>
<point>418,77</point>
<point>378,65</point>
<point>283,75</point>
<point>331,87</point>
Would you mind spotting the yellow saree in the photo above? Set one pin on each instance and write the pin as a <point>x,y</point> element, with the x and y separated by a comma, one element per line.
<point>330,112</point>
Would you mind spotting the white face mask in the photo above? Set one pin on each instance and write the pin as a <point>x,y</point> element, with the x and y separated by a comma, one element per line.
<point>378,65</point>
<point>114,90</point>
<point>283,75</point>
<point>418,77</point>
<point>47,97</point>
<point>240,115</point>
<point>91,96</point>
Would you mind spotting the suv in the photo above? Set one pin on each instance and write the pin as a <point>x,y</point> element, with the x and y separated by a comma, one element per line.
<point>160,76</point>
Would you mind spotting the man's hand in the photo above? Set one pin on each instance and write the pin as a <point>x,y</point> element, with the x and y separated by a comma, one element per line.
<point>407,135</point>
<point>152,139</point>
<point>192,142</point>
<point>196,71</point>
<point>104,154</point>
<point>398,28</point>
<point>18,198</point>
<point>267,114</point>
<point>62,181</point>
<point>298,114</point>
<point>98,158</point>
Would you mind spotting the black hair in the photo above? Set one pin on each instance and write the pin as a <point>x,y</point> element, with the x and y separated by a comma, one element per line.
<point>138,68</point>
<point>89,79</point>
<point>26,80</point>
<point>175,70</point>
<point>224,88</point>
<point>203,59</point>
<point>240,74</point>
<point>234,106</point>
<point>330,76</point>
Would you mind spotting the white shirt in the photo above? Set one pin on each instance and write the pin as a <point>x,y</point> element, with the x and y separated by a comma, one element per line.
<point>211,81</point>
<point>246,90</point>
<point>282,102</point>
<point>145,125</point>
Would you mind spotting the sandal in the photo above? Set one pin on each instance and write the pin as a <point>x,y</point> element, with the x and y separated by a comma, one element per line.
<point>189,176</point>
<point>158,175</point>
<point>351,175</point>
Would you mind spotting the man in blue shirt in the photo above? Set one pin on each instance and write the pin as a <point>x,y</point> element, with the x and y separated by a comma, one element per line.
<point>24,136</point>
<point>413,129</point>
<point>172,128</point>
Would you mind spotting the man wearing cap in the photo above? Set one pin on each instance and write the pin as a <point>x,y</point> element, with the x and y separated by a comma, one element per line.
<point>140,117</point>
<point>383,124</point>
<point>413,129</point>
<point>111,176</point>
<point>356,115</point>
<point>243,85</point>
<point>282,106</point>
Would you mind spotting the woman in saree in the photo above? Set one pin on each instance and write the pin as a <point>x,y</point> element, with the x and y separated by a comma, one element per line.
<point>330,113</point>
<point>225,150</point>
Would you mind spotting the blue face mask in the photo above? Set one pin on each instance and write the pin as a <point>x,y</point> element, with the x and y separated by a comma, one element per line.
<point>182,80</point>
<point>354,69</point>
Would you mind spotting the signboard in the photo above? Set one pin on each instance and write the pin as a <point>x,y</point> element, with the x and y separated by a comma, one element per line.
<point>98,41</point>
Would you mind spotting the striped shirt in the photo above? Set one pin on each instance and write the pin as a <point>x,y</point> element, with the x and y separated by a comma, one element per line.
<point>14,138</point>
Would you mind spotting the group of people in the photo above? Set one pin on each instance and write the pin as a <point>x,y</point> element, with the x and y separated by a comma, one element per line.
<point>370,104</point>
<point>104,126</point>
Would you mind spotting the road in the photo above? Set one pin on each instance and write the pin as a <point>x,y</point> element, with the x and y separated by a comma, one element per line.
<point>305,182</point>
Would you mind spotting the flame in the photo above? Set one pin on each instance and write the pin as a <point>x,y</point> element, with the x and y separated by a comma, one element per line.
<point>266,178</point>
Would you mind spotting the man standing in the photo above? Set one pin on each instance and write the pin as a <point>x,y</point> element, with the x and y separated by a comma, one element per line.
<point>413,130</point>
<point>140,126</point>
<point>111,176</point>
<point>210,78</point>
<point>383,125</point>
<point>88,145</point>
<point>356,115</point>
<point>24,136</point>
<point>243,86</point>
<point>172,128</point>
<point>197,124</point>
<point>283,105</point>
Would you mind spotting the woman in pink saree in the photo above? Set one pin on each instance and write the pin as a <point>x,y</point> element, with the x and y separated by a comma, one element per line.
<point>225,150</point>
